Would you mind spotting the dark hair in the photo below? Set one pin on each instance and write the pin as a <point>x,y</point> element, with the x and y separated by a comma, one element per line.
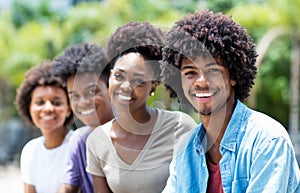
<point>206,33</point>
<point>83,57</point>
<point>142,38</point>
<point>40,75</point>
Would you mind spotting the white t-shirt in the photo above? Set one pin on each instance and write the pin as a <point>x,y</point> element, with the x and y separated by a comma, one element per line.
<point>150,170</point>
<point>42,167</point>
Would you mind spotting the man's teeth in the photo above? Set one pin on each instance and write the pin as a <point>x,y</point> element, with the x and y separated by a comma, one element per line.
<point>87,112</point>
<point>200,95</point>
<point>126,98</point>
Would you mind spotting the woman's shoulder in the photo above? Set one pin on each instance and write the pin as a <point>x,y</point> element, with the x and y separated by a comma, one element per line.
<point>100,133</point>
<point>177,116</point>
<point>32,146</point>
<point>175,113</point>
<point>35,141</point>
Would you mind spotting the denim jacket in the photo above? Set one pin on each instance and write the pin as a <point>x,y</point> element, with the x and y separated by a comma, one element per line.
<point>257,157</point>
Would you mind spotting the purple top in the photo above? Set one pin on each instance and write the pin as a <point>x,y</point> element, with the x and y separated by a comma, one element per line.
<point>75,172</point>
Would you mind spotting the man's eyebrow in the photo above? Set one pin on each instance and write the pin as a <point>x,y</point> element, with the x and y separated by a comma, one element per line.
<point>211,64</point>
<point>189,66</point>
<point>192,66</point>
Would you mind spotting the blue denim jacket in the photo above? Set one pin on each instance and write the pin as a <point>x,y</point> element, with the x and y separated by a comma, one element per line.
<point>257,156</point>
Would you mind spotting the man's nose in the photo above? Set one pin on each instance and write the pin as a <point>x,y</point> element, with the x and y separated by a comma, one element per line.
<point>201,78</point>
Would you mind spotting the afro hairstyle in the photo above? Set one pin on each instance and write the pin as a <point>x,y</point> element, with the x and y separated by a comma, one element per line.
<point>40,75</point>
<point>81,58</point>
<point>209,34</point>
<point>140,37</point>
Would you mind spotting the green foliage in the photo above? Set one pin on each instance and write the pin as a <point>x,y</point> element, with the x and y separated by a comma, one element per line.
<point>82,22</point>
<point>30,33</point>
<point>273,81</point>
<point>256,18</point>
<point>221,5</point>
<point>33,32</point>
<point>24,12</point>
<point>274,88</point>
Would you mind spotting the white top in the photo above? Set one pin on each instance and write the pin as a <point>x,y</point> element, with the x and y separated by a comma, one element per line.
<point>150,170</point>
<point>42,167</point>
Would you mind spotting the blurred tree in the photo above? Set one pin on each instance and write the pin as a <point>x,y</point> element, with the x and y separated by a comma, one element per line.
<point>24,12</point>
<point>39,32</point>
<point>277,85</point>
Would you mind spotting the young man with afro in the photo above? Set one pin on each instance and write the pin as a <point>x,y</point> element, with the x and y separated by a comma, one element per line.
<point>85,69</point>
<point>209,63</point>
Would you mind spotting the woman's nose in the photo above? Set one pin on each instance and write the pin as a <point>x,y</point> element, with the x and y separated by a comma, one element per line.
<point>126,86</point>
<point>84,100</point>
<point>48,106</point>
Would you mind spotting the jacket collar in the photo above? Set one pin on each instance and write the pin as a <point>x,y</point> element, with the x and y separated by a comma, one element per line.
<point>233,130</point>
<point>235,126</point>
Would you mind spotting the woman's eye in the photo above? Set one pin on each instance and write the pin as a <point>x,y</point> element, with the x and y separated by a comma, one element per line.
<point>139,82</point>
<point>91,92</point>
<point>39,102</point>
<point>57,102</point>
<point>118,76</point>
<point>74,97</point>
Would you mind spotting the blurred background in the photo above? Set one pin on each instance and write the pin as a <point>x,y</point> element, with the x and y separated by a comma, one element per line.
<point>32,31</point>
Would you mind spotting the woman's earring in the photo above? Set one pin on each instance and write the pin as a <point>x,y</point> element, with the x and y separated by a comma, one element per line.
<point>152,94</point>
<point>233,83</point>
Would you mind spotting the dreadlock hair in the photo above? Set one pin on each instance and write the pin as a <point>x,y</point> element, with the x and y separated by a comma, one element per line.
<point>209,34</point>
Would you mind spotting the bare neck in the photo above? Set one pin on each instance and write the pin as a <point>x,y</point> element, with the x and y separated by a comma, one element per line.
<point>55,139</point>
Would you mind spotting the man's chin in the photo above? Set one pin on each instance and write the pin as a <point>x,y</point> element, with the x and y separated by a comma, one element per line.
<point>204,112</point>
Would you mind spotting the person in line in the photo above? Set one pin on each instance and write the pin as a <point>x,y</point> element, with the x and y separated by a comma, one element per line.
<point>84,68</point>
<point>42,101</point>
<point>209,61</point>
<point>132,152</point>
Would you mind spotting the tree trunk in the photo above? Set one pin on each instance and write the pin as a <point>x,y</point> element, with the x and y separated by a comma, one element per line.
<point>262,49</point>
<point>294,85</point>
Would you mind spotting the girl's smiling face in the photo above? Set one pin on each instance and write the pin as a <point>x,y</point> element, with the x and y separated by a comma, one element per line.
<point>131,82</point>
<point>89,99</point>
<point>49,108</point>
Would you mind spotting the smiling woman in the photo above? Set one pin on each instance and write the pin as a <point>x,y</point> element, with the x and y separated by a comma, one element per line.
<point>84,68</point>
<point>139,140</point>
<point>42,101</point>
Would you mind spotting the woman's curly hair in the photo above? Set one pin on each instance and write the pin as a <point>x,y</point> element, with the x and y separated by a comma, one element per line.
<point>83,57</point>
<point>209,34</point>
<point>40,75</point>
<point>140,37</point>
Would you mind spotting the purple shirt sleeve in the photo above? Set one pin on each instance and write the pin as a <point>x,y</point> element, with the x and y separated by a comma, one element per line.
<point>75,173</point>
